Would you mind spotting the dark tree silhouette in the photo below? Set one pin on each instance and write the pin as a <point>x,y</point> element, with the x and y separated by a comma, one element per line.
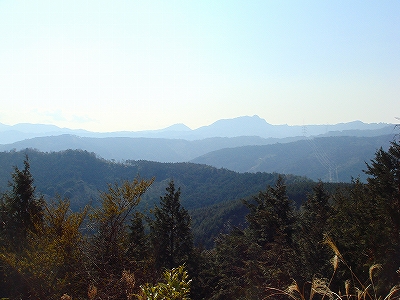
<point>170,230</point>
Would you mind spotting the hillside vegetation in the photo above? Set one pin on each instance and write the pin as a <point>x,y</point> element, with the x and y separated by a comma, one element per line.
<point>336,159</point>
<point>80,175</point>
<point>349,234</point>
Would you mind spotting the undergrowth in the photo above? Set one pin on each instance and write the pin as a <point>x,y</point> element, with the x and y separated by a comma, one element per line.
<point>320,288</point>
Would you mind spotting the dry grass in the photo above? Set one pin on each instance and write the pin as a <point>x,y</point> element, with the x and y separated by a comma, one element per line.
<point>320,288</point>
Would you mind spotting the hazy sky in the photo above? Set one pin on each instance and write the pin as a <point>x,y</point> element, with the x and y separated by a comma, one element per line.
<point>136,65</point>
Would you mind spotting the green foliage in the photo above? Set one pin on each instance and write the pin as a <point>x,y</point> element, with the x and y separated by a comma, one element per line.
<point>51,260</point>
<point>170,230</point>
<point>22,210</point>
<point>21,215</point>
<point>209,222</point>
<point>271,215</point>
<point>273,245</point>
<point>384,187</point>
<point>365,220</point>
<point>138,243</point>
<point>311,226</point>
<point>79,175</point>
<point>109,243</point>
<point>263,253</point>
<point>176,286</point>
<point>385,182</point>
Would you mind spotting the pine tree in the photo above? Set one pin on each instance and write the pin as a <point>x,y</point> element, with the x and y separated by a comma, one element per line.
<point>271,230</point>
<point>384,187</point>
<point>385,181</point>
<point>21,215</point>
<point>312,225</point>
<point>138,248</point>
<point>170,230</point>
<point>271,215</point>
<point>22,209</point>
<point>246,260</point>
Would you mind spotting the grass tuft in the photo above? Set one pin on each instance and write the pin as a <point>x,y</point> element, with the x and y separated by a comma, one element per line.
<point>354,289</point>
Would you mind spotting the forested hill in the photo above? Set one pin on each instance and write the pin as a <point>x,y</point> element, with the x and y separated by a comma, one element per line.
<point>316,158</point>
<point>80,175</point>
<point>335,159</point>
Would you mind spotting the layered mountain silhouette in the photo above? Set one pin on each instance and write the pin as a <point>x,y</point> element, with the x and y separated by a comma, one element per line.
<point>244,144</point>
<point>240,126</point>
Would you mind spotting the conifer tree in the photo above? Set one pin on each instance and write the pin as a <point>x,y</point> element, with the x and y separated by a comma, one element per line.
<point>22,209</point>
<point>385,181</point>
<point>139,251</point>
<point>354,227</point>
<point>312,225</point>
<point>271,215</point>
<point>262,254</point>
<point>170,230</point>
<point>384,187</point>
<point>138,248</point>
<point>271,229</point>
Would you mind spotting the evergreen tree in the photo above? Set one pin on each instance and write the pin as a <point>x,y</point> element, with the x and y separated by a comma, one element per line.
<point>170,231</point>
<point>271,215</point>
<point>384,187</point>
<point>385,182</point>
<point>138,248</point>
<point>22,209</point>
<point>260,255</point>
<point>139,251</point>
<point>312,226</point>
<point>271,229</point>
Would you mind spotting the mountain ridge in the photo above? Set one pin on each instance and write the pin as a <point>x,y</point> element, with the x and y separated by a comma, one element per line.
<point>316,158</point>
<point>239,126</point>
<point>330,159</point>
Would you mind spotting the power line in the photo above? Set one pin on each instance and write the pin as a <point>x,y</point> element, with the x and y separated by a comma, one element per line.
<point>322,157</point>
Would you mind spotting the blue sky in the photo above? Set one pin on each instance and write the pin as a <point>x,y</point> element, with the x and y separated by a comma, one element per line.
<point>137,65</point>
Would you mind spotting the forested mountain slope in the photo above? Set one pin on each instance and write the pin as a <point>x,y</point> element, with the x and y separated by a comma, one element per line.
<point>80,175</point>
<point>139,148</point>
<point>327,158</point>
<point>336,159</point>
<point>213,196</point>
<point>270,243</point>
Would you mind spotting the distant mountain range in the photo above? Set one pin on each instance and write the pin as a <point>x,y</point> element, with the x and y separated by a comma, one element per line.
<point>245,144</point>
<point>241,126</point>
<point>330,159</point>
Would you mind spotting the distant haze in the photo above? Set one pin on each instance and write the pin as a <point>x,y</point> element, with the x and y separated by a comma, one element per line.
<point>144,65</point>
<point>241,126</point>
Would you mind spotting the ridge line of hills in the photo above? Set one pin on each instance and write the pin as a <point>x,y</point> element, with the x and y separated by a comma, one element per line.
<point>240,126</point>
<point>331,159</point>
<point>333,156</point>
<point>213,196</point>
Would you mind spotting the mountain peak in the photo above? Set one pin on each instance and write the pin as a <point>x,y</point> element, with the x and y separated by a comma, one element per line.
<point>177,127</point>
<point>239,126</point>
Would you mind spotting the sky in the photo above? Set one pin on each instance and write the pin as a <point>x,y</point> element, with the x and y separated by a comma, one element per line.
<point>142,65</point>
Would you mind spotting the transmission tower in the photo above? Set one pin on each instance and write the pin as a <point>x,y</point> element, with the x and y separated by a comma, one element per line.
<point>322,157</point>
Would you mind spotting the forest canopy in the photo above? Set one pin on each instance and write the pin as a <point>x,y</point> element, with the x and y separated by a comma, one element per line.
<point>350,234</point>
